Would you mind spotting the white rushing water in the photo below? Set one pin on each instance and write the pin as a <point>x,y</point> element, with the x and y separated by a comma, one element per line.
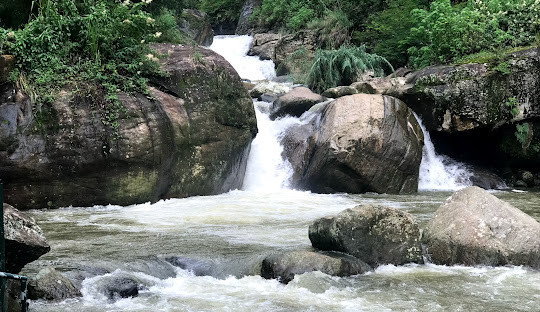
<point>234,49</point>
<point>439,172</point>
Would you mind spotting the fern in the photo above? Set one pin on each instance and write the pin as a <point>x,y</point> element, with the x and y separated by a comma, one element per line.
<point>344,66</point>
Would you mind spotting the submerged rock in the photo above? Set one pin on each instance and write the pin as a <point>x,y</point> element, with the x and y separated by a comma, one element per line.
<point>474,227</point>
<point>284,266</point>
<point>366,143</point>
<point>374,234</point>
<point>49,284</point>
<point>190,137</point>
<point>25,241</point>
<point>124,287</point>
<point>296,102</point>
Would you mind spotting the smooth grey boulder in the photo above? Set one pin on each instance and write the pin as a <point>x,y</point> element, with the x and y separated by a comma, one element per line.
<point>124,287</point>
<point>264,46</point>
<point>376,235</point>
<point>49,284</point>
<point>474,227</point>
<point>284,266</point>
<point>296,102</point>
<point>365,143</point>
<point>25,241</point>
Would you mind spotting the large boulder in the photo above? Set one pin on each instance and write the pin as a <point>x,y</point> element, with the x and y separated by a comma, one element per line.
<point>474,227</point>
<point>295,102</point>
<point>49,284</point>
<point>375,234</point>
<point>284,266</point>
<point>304,42</point>
<point>196,26</point>
<point>191,136</point>
<point>245,24</point>
<point>366,143</point>
<point>468,109</point>
<point>25,241</point>
<point>264,46</point>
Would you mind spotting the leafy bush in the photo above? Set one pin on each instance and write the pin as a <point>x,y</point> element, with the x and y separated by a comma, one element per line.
<point>344,66</point>
<point>96,42</point>
<point>333,29</point>
<point>222,10</point>
<point>448,32</point>
<point>289,14</point>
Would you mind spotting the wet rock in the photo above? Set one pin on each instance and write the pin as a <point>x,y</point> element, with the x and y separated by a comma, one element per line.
<point>190,137</point>
<point>295,102</point>
<point>25,241</point>
<point>49,284</point>
<point>196,26</point>
<point>365,143</point>
<point>123,287</point>
<point>198,267</point>
<point>486,179</point>
<point>528,178</point>
<point>298,145</point>
<point>374,234</point>
<point>474,227</point>
<point>340,91</point>
<point>269,87</point>
<point>264,46</point>
<point>284,266</point>
<point>520,183</point>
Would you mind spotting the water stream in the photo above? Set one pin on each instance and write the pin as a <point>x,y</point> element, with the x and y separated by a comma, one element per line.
<point>220,241</point>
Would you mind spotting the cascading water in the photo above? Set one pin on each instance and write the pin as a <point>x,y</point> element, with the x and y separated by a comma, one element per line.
<point>438,172</point>
<point>234,49</point>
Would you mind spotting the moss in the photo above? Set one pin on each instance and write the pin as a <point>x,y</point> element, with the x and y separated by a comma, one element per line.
<point>132,186</point>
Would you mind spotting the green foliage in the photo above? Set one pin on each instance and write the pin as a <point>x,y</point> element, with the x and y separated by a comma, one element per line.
<point>332,68</point>
<point>446,32</point>
<point>387,31</point>
<point>333,29</point>
<point>513,105</point>
<point>503,68</point>
<point>289,14</point>
<point>522,134</point>
<point>79,43</point>
<point>166,24</point>
<point>222,10</point>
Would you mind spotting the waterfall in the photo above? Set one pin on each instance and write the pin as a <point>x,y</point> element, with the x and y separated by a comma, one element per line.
<point>266,168</point>
<point>234,49</point>
<point>439,172</point>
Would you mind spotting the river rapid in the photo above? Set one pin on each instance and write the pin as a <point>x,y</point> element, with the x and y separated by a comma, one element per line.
<point>218,242</point>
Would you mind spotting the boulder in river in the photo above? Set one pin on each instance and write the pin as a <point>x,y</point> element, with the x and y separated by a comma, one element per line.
<point>284,266</point>
<point>296,102</point>
<point>25,241</point>
<point>190,136</point>
<point>124,287</point>
<point>376,235</point>
<point>473,227</point>
<point>264,46</point>
<point>49,284</point>
<point>366,143</point>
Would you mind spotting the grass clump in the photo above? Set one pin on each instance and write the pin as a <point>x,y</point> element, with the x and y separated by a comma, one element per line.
<point>344,66</point>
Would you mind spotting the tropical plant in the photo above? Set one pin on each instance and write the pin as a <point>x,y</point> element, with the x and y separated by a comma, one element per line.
<point>344,66</point>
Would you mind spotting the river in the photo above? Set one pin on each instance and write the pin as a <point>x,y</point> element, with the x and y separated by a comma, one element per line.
<point>221,240</point>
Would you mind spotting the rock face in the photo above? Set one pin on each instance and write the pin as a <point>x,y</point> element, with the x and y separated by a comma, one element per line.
<point>296,102</point>
<point>196,25</point>
<point>7,64</point>
<point>285,266</point>
<point>366,143</point>
<point>49,284</point>
<point>474,227</point>
<point>191,137</point>
<point>245,26</point>
<point>25,241</point>
<point>376,235</point>
<point>264,46</point>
